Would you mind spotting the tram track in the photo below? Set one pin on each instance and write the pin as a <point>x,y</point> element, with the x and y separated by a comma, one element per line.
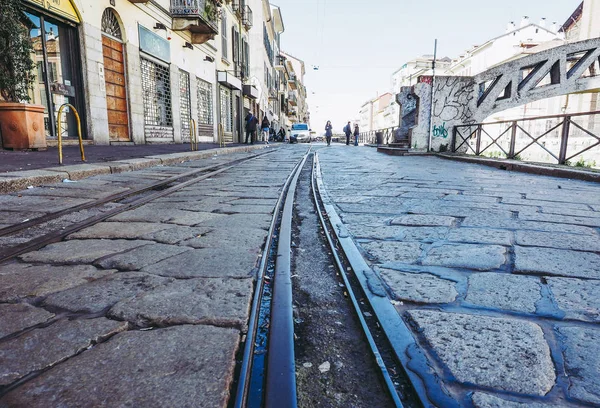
<point>126,200</point>
<point>267,373</point>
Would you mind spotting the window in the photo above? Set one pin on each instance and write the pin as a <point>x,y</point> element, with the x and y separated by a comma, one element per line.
<point>224,35</point>
<point>156,87</point>
<point>184,104</point>
<point>110,24</point>
<point>205,102</point>
<point>226,119</point>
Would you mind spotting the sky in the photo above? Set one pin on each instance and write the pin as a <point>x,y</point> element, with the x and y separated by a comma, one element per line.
<point>358,44</point>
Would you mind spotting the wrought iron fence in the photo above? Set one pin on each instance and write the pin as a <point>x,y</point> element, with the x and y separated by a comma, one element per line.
<point>572,139</point>
<point>187,7</point>
<point>370,137</point>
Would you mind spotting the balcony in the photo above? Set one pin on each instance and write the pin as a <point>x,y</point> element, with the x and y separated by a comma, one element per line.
<point>280,63</point>
<point>293,82</point>
<point>273,94</point>
<point>238,7</point>
<point>199,17</point>
<point>247,18</point>
<point>293,99</point>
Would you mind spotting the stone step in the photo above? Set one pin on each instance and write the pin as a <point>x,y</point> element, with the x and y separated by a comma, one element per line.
<point>393,151</point>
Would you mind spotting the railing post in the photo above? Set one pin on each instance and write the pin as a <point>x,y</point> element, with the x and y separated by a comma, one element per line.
<point>513,140</point>
<point>564,140</point>
<point>478,148</point>
<point>454,134</point>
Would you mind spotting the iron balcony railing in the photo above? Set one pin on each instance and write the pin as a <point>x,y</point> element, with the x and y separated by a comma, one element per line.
<point>387,136</point>
<point>207,10</point>
<point>247,18</point>
<point>563,139</point>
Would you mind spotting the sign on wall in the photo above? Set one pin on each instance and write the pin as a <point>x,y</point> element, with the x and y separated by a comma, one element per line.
<point>63,8</point>
<point>155,45</point>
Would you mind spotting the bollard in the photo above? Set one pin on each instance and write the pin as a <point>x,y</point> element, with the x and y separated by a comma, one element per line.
<point>193,136</point>
<point>59,132</point>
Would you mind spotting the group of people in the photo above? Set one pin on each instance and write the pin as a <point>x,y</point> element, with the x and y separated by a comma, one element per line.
<point>347,131</point>
<point>265,129</point>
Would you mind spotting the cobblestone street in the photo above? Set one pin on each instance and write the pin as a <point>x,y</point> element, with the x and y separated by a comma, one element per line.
<point>497,273</point>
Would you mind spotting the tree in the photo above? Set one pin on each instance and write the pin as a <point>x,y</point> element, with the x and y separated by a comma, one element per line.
<point>16,65</point>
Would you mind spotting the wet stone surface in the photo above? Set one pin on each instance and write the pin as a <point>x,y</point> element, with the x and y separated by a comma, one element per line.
<point>578,298</point>
<point>393,251</point>
<point>418,287</point>
<point>504,291</point>
<point>557,262</point>
<point>509,355</point>
<point>136,369</point>
<point>478,257</point>
<point>16,317</point>
<point>50,345</point>
<point>140,257</point>
<point>582,362</point>
<point>483,400</point>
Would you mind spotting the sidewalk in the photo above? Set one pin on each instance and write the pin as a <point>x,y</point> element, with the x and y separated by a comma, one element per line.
<point>19,170</point>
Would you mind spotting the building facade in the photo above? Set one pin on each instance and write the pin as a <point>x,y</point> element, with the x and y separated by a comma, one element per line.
<point>155,71</point>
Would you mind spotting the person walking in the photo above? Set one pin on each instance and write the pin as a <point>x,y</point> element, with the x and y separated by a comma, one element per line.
<point>328,132</point>
<point>251,122</point>
<point>356,134</point>
<point>348,132</point>
<point>264,126</point>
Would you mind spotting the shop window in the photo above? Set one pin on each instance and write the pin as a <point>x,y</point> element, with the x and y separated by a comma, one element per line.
<point>184,104</point>
<point>226,116</point>
<point>205,102</point>
<point>157,94</point>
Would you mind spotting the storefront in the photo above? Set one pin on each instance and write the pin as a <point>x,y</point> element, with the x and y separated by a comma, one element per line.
<point>229,105</point>
<point>53,27</point>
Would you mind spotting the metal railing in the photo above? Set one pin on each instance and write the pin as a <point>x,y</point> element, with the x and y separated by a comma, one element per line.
<point>59,132</point>
<point>370,137</point>
<point>561,139</point>
<point>188,7</point>
<point>247,18</point>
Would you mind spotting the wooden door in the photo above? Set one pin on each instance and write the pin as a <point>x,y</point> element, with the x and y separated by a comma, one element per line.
<point>116,90</point>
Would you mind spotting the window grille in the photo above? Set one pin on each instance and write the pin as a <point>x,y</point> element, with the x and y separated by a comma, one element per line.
<point>110,24</point>
<point>205,102</point>
<point>156,87</point>
<point>185,105</point>
<point>226,119</point>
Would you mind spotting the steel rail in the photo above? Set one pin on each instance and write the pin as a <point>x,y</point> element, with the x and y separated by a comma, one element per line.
<point>246,365</point>
<point>374,349</point>
<point>116,197</point>
<point>58,236</point>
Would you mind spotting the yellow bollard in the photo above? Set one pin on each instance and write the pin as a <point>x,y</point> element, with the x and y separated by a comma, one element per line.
<point>59,132</point>
<point>193,136</point>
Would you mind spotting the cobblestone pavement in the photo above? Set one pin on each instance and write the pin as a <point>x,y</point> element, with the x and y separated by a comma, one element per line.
<point>145,309</point>
<point>496,273</point>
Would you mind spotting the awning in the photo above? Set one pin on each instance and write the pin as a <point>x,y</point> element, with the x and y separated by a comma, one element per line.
<point>250,91</point>
<point>229,80</point>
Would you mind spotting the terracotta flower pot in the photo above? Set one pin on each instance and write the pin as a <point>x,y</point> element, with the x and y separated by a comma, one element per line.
<point>22,126</point>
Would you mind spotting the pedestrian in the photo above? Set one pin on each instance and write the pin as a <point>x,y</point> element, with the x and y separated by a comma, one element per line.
<point>348,132</point>
<point>264,126</point>
<point>251,122</point>
<point>328,132</point>
<point>356,134</point>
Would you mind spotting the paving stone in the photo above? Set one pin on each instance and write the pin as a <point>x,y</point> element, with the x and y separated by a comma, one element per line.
<point>561,219</point>
<point>20,281</point>
<point>479,257</point>
<point>505,354</point>
<point>578,298</point>
<point>17,317</point>
<point>238,221</point>
<point>424,220</point>
<point>140,257</point>
<point>136,368</point>
<point>247,239</point>
<point>80,251</point>
<point>393,251</point>
<point>483,400</point>
<point>96,296</point>
<point>175,234</point>
<point>207,263</point>
<point>213,301</point>
<point>39,204</point>
<point>581,352</point>
<point>245,209</point>
<point>59,191</point>
<point>401,233</point>
<point>116,230</point>
<point>369,220</point>
<point>48,346</point>
<point>419,287</point>
<point>491,221</point>
<point>157,213</point>
<point>81,171</point>
<point>480,236</point>
<point>17,217</point>
<point>504,291</point>
<point>562,241</point>
<point>557,262</point>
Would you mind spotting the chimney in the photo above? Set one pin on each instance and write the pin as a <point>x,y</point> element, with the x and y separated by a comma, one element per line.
<point>543,22</point>
<point>524,21</point>
<point>510,27</point>
<point>554,27</point>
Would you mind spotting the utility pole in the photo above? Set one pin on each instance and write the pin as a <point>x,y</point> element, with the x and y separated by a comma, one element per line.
<point>432,95</point>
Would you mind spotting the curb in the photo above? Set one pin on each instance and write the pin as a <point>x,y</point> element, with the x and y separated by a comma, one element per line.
<point>15,181</point>
<point>539,169</point>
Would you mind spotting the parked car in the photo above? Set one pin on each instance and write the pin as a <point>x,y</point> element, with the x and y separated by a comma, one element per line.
<point>301,132</point>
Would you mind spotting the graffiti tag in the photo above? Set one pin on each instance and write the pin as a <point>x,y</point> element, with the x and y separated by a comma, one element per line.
<point>440,131</point>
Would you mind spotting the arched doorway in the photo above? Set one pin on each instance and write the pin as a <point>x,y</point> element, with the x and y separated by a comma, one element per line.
<point>114,77</point>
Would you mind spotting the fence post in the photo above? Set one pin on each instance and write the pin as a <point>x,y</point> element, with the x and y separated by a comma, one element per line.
<point>564,140</point>
<point>513,140</point>
<point>454,134</point>
<point>477,149</point>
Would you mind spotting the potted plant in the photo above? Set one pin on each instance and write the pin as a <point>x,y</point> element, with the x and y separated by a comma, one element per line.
<point>21,124</point>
